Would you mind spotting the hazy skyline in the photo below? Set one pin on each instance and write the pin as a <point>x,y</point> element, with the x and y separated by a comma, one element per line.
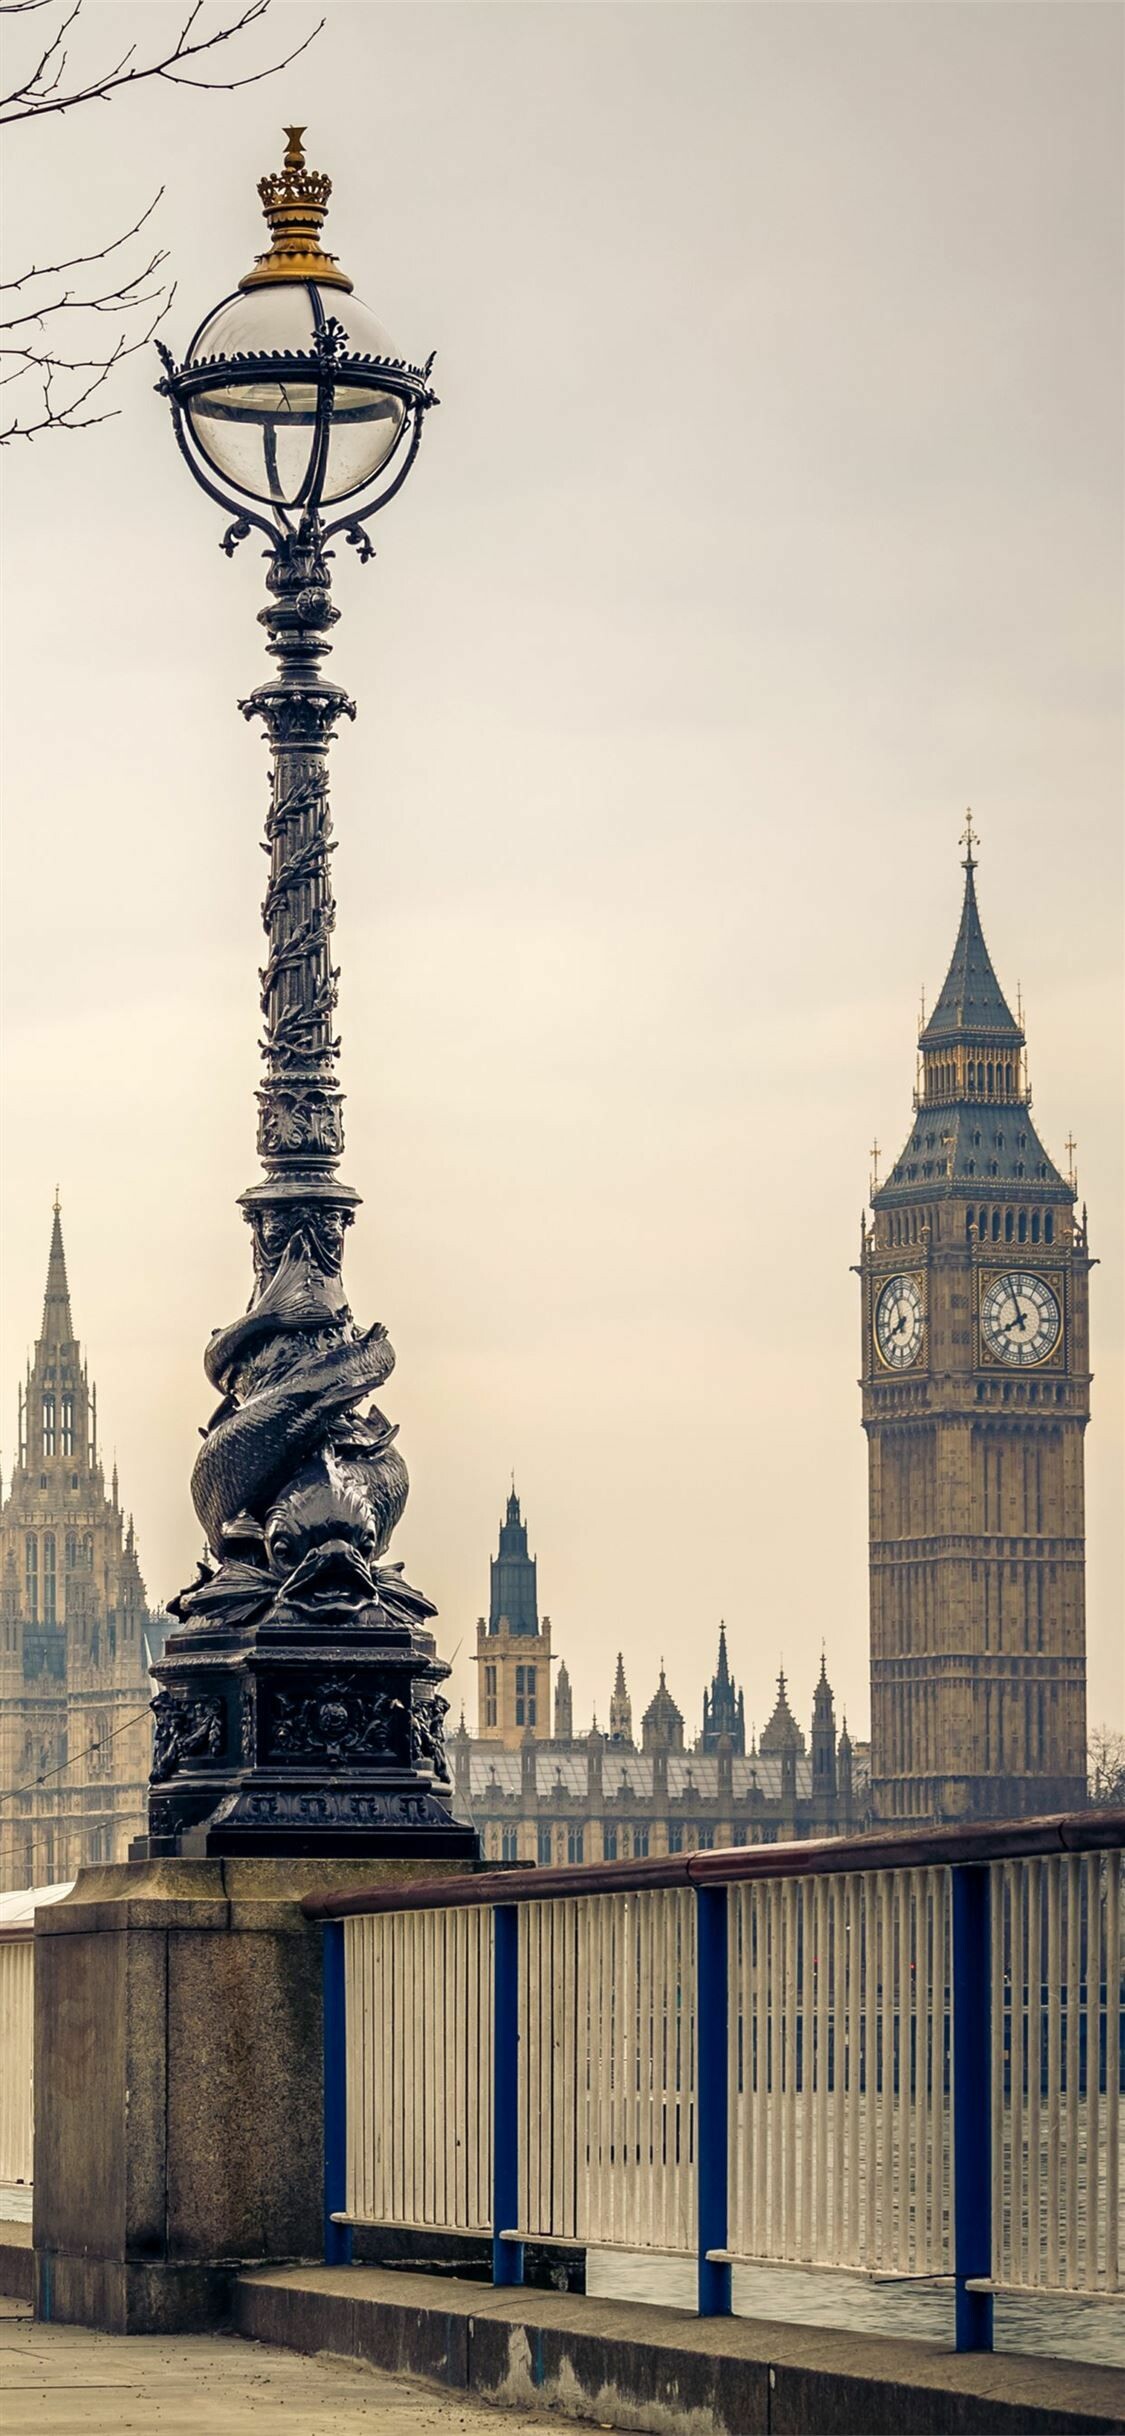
<point>772,514</point>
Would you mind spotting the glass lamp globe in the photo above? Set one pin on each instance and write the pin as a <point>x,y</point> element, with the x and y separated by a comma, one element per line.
<point>256,423</point>
<point>256,420</point>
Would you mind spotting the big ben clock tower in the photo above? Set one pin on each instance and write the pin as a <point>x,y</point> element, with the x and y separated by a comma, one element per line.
<point>976,1387</point>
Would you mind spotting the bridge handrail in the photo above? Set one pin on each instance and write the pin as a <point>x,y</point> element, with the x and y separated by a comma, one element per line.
<point>1068,1831</point>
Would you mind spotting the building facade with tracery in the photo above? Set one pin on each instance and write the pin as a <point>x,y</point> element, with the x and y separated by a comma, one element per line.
<point>76,1634</point>
<point>540,1791</point>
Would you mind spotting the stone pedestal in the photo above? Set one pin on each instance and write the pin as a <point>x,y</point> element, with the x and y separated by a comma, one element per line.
<point>179,2084</point>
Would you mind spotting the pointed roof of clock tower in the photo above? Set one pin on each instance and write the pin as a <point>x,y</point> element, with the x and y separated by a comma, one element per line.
<point>971,1002</point>
<point>972,1129</point>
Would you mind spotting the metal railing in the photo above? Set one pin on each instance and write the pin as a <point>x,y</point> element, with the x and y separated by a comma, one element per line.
<point>899,2054</point>
<point>17,2036</point>
<point>17,1999</point>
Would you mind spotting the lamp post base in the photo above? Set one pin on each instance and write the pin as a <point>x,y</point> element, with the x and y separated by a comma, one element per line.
<point>302,1739</point>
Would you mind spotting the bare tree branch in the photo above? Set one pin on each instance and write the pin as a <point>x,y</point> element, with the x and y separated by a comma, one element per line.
<point>45,291</point>
<point>38,95</point>
<point>75,262</point>
<point>51,414</point>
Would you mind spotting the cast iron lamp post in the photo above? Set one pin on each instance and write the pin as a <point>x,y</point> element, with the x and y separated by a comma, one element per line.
<point>300,1707</point>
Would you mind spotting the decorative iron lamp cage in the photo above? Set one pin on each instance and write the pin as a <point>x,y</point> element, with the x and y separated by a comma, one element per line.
<point>290,398</point>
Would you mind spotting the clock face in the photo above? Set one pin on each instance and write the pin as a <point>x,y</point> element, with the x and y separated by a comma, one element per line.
<point>898,1322</point>
<point>1020,1318</point>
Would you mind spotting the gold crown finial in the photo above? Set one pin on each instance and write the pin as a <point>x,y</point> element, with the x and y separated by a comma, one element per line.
<point>295,200</point>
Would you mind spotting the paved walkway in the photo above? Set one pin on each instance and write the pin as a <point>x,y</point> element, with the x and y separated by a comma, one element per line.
<point>62,2381</point>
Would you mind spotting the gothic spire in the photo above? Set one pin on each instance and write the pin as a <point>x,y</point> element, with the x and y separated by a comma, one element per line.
<point>723,1707</point>
<point>58,1327</point>
<point>972,1109</point>
<point>514,1596</point>
<point>971,1002</point>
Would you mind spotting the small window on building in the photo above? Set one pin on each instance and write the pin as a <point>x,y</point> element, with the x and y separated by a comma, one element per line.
<point>31,1576</point>
<point>68,1425</point>
<point>575,1844</point>
<point>609,1843</point>
<point>525,1695</point>
<point>706,1839</point>
<point>543,1847</point>
<point>50,1609</point>
<point>509,1842</point>
<point>490,1695</point>
<point>640,1843</point>
<point>48,1425</point>
<point>675,1836</point>
<point>1049,1227</point>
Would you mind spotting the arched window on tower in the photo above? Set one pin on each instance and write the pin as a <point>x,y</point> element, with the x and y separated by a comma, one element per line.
<point>1035,1226</point>
<point>1021,1229</point>
<point>68,1425</point>
<point>48,1425</point>
<point>995,1223</point>
<point>50,1609</point>
<point>71,1550</point>
<point>31,1576</point>
<point>1008,1226</point>
<point>1049,1227</point>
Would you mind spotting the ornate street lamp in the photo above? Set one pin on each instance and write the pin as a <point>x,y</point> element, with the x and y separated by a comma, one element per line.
<point>300,1707</point>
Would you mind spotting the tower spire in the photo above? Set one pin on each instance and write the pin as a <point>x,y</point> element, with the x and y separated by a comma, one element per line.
<point>58,1327</point>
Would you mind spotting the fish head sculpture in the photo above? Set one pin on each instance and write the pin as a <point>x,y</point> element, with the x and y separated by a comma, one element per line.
<point>322,1541</point>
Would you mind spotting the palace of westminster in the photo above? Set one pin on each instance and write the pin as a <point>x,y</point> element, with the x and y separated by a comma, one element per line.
<point>975,1386</point>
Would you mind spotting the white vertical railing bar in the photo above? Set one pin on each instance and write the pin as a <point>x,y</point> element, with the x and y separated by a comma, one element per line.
<point>418,2066</point>
<point>1056,2075</point>
<point>839,2127</point>
<point>17,1967</point>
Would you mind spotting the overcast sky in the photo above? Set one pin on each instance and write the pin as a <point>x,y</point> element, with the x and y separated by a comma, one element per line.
<point>773,514</point>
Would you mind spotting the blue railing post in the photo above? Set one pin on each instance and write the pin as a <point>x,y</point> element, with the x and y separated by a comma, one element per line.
<point>972,2104</point>
<point>711,2096</point>
<point>507,2256</point>
<point>337,2238</point>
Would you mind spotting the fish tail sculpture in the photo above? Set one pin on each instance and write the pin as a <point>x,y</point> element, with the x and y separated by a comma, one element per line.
<point>249,1453</point>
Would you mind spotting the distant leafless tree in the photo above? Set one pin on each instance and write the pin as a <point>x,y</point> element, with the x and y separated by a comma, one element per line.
<point>66,326</point>
<point>1105,1766</point>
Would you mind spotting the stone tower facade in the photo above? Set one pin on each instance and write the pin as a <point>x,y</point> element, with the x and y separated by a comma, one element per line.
<point>75,1631</point>
<point>513,1647</point>
<point>975,1382</point>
